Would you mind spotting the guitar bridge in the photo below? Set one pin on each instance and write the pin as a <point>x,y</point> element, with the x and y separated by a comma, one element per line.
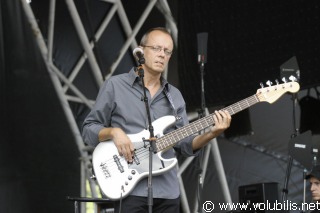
<point>117,161</point>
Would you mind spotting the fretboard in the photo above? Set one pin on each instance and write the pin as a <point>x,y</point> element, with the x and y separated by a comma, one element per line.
<point>175,136</point>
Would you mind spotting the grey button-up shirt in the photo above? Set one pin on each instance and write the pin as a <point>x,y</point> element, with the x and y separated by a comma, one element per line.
<point>119,104</point>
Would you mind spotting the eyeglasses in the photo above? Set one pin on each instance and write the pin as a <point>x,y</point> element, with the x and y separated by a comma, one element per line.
<point>158,49</point>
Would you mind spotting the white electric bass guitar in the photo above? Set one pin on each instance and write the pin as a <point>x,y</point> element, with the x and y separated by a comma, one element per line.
<point>117,178</point>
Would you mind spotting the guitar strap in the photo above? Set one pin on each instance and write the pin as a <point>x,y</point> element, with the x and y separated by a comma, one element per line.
<point>166,92</point>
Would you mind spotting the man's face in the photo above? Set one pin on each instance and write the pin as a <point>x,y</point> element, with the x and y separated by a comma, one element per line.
<point>315,188</point>
<point>157,61</point>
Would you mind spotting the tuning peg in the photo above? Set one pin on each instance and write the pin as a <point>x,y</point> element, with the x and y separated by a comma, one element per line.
<point>277,82</point>
<point>292,78</point>
<point>284,80</point>
<point>269,83</point>
<point>261,85</point>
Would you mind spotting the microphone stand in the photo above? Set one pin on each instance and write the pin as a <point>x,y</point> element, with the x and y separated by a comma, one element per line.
<point>290,161</point>
<point>151,139</point>
<point>199,158</point>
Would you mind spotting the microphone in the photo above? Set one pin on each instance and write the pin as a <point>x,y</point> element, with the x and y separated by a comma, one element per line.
<point>138,54</point>
<point>202,47</point>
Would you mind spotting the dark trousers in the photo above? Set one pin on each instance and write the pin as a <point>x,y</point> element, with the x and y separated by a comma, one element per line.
<point>135,204</point>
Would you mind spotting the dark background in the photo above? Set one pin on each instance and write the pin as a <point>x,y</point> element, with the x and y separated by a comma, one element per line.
<point>248,42</point>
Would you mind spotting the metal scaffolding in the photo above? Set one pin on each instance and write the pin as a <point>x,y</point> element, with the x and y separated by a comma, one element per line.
<point>63,83</point>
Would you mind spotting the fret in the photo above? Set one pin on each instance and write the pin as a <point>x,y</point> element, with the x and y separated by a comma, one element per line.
<point>168,138</point>
<point>179,135</point>
<point>166,142</point>
<point>196,127</point>
<point>247,102</point>
<point>159,144</point>
<point>209,120</point>
<point>232,112</point>
<point>206,121</point>
<point>185,132</point>
<point>201,125</point>
<point>176,136</point>
<point>239,106</point>
<point>190,128</point>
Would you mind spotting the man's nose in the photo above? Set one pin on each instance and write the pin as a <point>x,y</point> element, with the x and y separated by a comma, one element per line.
<point>162,52</point>
<point>312,188</point>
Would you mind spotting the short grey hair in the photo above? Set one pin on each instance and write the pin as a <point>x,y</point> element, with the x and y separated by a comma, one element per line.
<point>144,38</point>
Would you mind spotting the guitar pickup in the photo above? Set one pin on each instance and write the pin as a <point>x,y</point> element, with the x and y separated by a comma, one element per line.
<point>117,161</point>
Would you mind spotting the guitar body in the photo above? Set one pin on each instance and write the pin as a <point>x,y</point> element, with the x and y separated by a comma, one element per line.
<point>115,176</point>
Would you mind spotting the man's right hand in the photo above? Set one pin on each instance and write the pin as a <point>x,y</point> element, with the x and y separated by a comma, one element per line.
<point>123,143</point>
<point>120,140</point>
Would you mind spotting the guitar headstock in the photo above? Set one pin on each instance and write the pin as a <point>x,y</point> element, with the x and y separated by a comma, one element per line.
<point>272,93</point>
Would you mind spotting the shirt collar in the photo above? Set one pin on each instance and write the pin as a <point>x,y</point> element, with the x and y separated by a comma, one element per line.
<point>133,77</point>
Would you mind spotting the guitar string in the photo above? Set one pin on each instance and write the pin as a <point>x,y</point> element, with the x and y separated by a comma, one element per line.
<point>196,126</point>
<point>140,152</point>
<point>235,107</point>
<point>144,154</point>
<point>232,109</point>
<point>137,151</point>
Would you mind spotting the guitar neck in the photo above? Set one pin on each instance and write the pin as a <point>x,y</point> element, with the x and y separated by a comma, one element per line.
<point>175,136</point>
